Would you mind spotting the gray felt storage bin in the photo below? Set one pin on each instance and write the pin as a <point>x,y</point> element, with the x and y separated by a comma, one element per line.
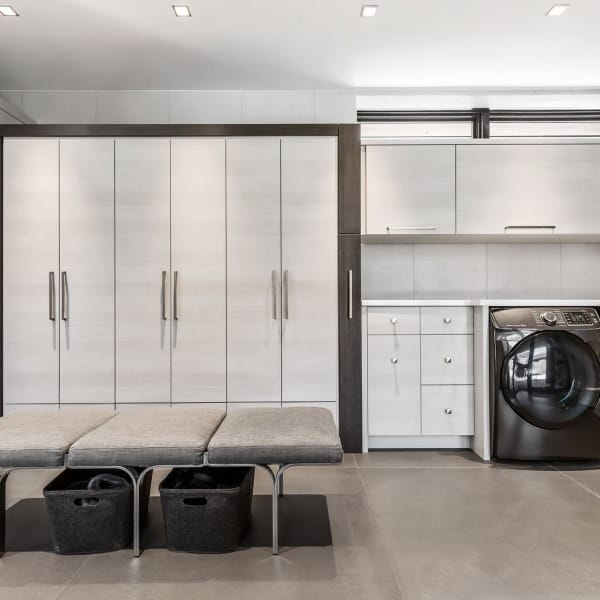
<point>206,509</point>
<point>86,521</point>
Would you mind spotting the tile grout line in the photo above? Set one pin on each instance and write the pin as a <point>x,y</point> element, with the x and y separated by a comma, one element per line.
<point>378,533</point>
<point>68,582</point>
<point>581,485</point>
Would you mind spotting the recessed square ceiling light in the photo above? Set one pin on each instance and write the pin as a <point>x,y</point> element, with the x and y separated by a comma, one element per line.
<point>8,11</point>
<point>368,10</point>
<point>557,10</point>
<point>182,11</point>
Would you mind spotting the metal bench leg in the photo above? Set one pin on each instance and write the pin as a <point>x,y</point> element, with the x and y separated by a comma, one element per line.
<point>3,477</point>
<point>280,485</point>
<point>136,512</point>
<point>277,486</point>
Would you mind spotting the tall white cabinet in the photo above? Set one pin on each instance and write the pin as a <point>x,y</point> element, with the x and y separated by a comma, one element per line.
<point>198,253</point>
<point>170,271</point>
<point>281,270</point>
<point>31,271</point>
<point>143,265</point>
<point>253,270</point>
<point>87,291</point>
<point>58,271</point>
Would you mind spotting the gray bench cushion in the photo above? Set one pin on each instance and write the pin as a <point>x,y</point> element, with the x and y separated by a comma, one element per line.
<point>276,436</point>
<point>41,438</point>
<point>149,436</point>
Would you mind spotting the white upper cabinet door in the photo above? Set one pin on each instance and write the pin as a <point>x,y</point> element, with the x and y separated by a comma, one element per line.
<point>30,198</point>
<point>253,270</point>
<point>87,297</point>
<point>528,189</point>
<point>394,385</point>
<point>410,189</point>
<point>309,269</point>
<point>143,346</point>
<point>198,270</point>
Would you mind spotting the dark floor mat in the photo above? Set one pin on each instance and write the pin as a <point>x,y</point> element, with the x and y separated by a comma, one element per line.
<point>303,521</point>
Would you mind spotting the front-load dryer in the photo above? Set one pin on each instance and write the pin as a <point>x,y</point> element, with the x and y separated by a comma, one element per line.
<point>545,383</point>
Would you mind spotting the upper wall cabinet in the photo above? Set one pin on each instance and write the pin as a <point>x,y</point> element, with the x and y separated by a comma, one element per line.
<point>528,188</point>
<point>410,189</point>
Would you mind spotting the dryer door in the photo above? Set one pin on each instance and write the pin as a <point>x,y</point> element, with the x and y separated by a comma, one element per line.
<point>551,379</point>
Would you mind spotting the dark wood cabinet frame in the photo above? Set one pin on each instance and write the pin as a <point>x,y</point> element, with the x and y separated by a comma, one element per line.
<point>349,324</point>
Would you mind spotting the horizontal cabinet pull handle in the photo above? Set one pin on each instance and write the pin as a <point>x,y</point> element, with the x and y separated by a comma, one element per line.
<point>529,227</point>
<point>410,228</point>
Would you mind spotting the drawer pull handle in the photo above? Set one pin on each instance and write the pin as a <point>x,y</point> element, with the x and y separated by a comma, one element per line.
<point>447,320</point>
<point>394,361</point>
<point>393,320</point>
<point>448,411</point>
<point>448,360</point>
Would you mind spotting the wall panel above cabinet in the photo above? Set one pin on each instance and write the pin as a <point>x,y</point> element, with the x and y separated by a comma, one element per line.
<point>545,188</point>
<point>410,189</point>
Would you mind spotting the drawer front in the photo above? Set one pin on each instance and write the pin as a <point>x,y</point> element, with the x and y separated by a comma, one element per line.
<point>393,387</point>
<point>446,320</point>
<point>446,359</point>
<point>447,410</point>
<point>394,321</point>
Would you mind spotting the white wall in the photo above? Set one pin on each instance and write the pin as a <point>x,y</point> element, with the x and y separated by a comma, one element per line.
<point>471,271</point>
<point>184,106</point>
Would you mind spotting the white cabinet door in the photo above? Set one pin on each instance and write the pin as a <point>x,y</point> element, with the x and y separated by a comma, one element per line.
<point>394,386</point>
<point>30,250</point>
<point>447,359</point>
<point>87,299</point>
<point>142,221</point>
<point>447,409</point>
<point>309,269</point>
<point>410,189</point>
<point>253,270</point>
<point>198,270</point>
<point>528,189</point>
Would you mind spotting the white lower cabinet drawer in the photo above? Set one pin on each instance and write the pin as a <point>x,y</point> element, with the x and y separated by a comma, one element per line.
<point>446,319</point>
<point>447,410</point>
<point>447,359</point>
<point>394,387</point>
<point>393,320</point>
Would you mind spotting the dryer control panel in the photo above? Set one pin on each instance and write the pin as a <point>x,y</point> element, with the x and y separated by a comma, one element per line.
<point>545,318</point>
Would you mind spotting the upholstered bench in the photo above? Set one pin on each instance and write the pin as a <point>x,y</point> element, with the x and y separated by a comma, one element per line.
<point>286,437</point>
<point>150,437</point>
<point>40,439</point>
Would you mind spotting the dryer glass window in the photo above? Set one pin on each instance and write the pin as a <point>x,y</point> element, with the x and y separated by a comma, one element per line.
<point>551,379</point>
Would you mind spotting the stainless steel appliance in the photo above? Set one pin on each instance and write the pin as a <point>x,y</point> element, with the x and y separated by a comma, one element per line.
<point>545,383</point>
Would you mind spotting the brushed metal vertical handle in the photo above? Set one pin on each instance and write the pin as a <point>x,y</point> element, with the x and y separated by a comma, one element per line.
<point>175,279</point>
<point>350,307</point>
<point>274,293</point>
<point>286,310</point>
<point>64,292</point>
<point>51,297</point>
<point>163,296</point>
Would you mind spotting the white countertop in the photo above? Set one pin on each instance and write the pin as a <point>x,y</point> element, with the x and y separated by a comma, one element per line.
<point>484,302</point>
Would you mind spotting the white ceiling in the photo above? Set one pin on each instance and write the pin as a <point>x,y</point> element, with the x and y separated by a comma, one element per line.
<point>300,44</point>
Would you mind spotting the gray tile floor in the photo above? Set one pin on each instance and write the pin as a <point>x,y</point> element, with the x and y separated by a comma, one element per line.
<point>405,525</point>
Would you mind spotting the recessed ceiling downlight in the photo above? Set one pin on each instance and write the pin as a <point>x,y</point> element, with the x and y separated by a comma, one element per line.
<point>368,10</point>
<point>182,11</point>
<point>557,10</point>
<point>8,11</point>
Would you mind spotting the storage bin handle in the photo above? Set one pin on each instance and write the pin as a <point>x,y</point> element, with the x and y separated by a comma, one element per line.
<point>86,502</point>
<point>196,501</point>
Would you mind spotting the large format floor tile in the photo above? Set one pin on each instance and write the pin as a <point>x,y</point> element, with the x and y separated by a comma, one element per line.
<point>416,525</point>
<point>487,533</point>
